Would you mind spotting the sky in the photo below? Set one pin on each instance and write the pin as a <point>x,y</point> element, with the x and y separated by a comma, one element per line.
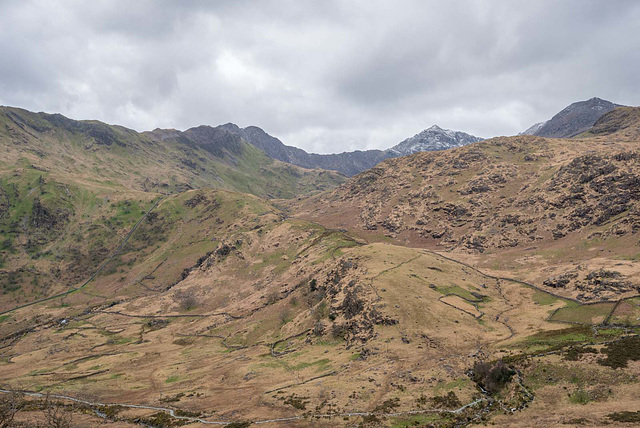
<point>326,76</point>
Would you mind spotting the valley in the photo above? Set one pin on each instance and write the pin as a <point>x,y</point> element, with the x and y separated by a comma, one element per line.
<point>495,283</point>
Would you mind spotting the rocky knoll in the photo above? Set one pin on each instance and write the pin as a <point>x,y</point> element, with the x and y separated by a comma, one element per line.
<point>501,193</point>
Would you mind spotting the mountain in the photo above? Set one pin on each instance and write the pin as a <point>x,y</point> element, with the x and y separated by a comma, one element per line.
<point>161,161</point>
<point>504,195</point>
<point>351,163</point>
<point>348,163</point>
<point>491,284</point>
<point>434,138</point>
<point>573,119</point>
<point>532,129</point>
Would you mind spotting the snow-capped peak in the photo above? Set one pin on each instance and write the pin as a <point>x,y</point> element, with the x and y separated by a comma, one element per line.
<point>434,138</point>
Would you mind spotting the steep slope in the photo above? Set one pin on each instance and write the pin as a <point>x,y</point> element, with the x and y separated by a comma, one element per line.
<point>69,190</point>
<point>432,139</point>
<point>501,196</point>
<point>160,161</point>
<point>573,119</point>
<point>622,123</point>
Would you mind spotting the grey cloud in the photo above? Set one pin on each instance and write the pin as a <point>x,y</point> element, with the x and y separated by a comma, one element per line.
<point>325,76</point>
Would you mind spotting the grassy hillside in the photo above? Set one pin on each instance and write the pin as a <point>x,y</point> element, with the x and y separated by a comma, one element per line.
<point>70,190</point>
<point>220,307</point>
<point>112,158</point>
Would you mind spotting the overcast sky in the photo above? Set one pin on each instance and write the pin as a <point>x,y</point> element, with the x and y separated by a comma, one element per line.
<point>326,76</point>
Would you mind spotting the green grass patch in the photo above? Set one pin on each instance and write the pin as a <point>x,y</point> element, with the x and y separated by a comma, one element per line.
<point>458,291</point>
<point>544,299</point>
<point>557,338</point>
<point>172,379</point>
<point>583,314</point>
<point>320,365</point>
<point>579,397</point>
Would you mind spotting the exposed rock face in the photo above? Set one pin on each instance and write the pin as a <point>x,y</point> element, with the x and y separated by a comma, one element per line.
<point>572,120</point>
<point>217,140</point>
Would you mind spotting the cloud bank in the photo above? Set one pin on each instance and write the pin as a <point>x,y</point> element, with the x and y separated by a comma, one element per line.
<point>325,76</point>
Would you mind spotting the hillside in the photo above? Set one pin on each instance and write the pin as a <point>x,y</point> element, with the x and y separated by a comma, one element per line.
<point>495,283</point>
<point>162,161</point>
<point>557,200</point>
<point>220,308</point>
<point>69,189</point>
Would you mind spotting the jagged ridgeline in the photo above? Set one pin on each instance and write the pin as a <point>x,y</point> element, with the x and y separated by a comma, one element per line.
<point>113,158</point>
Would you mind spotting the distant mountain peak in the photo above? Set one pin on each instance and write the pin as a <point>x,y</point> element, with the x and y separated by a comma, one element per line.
<point>573,119</point>
<point>434,138</point>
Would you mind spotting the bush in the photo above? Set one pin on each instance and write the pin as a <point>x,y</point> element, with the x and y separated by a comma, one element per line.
<point>273,297</point>
<point>625,416</point>
<point>620,352</point>
<point>56,415</point>
<point>573,354</point>
<point>580,397</point>
<point>492,376</point>
<point>10,404</point>
<point>449,401</point>
<point>186,299</point>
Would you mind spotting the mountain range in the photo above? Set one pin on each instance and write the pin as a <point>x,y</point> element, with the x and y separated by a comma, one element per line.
<point>171,278</point>
<point>349,163</point>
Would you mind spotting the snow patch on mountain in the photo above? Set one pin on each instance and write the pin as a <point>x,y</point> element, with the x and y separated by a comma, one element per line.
<point>434,138</point>
<point>533,128</point>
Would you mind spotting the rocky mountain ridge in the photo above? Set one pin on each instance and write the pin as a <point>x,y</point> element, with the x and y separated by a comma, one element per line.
<point>432,139</point>
<point>573,119</point>
<point>348,163</point>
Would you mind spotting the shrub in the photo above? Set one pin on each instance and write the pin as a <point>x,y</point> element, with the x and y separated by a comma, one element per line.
<point>186,299</point>
<point>620,352</point>
<point>580,397</point>
<point>573,354</point>
<point>492,376</point>
<point>10,404</point>
<point>273,297</point>
<point>449,401</point>
<point>625,416</point>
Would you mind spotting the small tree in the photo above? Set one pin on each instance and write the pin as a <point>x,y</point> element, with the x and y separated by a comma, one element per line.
<point>186,299</point>
<point>10,404</point>
<point>492,377</point>
<point>56,415</point>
